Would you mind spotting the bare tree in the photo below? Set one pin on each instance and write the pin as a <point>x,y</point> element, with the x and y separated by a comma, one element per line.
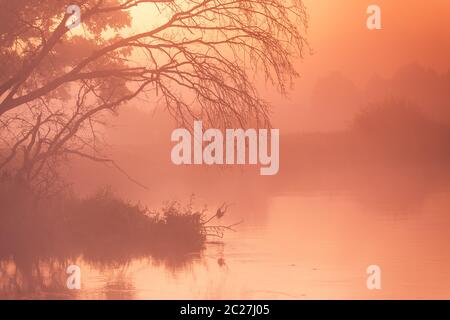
<point>200,60</point>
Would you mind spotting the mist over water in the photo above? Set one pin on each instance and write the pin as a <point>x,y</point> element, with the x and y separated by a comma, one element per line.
<point>342,201</point>
<point>363,180</point>
<point>293,245</point>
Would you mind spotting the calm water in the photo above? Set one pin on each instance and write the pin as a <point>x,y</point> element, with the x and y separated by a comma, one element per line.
<point>305,247</point>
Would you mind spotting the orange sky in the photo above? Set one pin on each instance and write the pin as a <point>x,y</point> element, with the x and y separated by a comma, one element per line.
<point>412,33</point>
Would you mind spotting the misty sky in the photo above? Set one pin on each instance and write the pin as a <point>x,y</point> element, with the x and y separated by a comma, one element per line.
<point>412,34</point>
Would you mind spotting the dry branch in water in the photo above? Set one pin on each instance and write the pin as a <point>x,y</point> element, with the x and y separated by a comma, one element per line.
<point>218,230</point>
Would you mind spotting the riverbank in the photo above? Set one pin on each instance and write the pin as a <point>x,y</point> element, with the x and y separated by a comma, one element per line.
<point>102,228</point>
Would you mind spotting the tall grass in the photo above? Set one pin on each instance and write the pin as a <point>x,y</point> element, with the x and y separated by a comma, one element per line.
<point>102,228</point>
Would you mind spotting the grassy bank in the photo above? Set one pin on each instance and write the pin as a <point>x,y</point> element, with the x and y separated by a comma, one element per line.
<point>102,228</point>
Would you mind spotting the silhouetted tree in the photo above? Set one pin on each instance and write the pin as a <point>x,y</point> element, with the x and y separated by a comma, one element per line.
<point>198,59</point>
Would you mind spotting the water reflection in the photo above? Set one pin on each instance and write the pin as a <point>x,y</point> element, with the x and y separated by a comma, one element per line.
<point>309,245</point>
